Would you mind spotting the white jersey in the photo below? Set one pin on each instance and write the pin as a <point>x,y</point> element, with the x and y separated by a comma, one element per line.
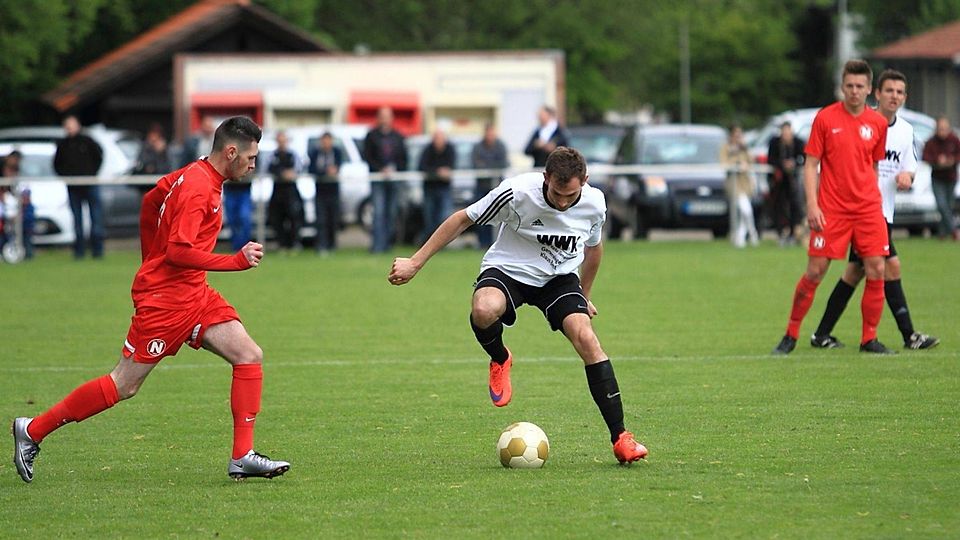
<point>901,156</point>
<point>537,242</point>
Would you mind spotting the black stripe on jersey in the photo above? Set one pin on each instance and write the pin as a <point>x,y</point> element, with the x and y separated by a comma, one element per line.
<point>495,211</point>
<point>495,207</point>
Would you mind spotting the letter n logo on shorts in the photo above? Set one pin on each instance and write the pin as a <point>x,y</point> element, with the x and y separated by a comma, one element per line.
<point>156,347</point>
<point>819,242</point>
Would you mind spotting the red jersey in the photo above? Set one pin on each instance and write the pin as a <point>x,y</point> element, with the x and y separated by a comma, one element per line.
<point>189,216</point>
<point>848,146</point>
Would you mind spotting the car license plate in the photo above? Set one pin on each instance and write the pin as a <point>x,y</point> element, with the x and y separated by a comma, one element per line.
<point>705,208</point>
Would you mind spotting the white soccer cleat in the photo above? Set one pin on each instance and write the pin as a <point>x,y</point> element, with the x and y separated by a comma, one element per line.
<point>24,449</point>
<point>256,465</point>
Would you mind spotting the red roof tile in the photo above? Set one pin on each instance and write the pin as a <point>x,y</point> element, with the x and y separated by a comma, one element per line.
<point>942,42</point>
<point>159,43</point>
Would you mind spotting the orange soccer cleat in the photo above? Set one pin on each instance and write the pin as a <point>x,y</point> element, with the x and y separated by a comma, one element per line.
<point>627,449</point>
<point>500,389</point>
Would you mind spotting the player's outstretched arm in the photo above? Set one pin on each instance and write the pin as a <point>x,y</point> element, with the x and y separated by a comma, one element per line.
<point>184,256</point>
<point>588,273</point>
<point>404,269</point>
<point>811,179</point>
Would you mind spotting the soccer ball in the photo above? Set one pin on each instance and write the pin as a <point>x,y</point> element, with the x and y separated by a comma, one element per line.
<point>523,446</point>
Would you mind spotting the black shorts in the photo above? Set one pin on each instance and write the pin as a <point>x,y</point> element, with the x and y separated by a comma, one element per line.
<point>560,297</point>
<point>854,258</point>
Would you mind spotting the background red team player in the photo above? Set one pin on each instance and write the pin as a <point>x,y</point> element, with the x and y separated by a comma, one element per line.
<point>174,305</point>
<point>847,141</point>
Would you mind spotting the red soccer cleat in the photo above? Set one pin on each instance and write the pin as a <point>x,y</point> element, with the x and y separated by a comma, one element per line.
<point>500,389</point>
<point>627,449</point>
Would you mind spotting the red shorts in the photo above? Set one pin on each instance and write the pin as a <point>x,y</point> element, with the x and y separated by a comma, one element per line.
<point>158,332</point>
<point>868,233</point>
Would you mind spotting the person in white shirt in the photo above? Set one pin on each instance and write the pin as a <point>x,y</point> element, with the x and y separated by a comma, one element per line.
<point>550,227</point>
<point>546,138</point>
<point>896,172</point>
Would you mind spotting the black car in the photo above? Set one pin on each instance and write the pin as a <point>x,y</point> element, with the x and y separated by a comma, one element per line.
<point>679,181</point>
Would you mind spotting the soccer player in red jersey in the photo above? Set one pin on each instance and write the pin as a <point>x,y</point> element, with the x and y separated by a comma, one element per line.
<point>847,141</point>
<point>174,305</point>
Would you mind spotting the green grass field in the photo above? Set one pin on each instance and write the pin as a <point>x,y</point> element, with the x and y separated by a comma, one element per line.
<point>377,396</point>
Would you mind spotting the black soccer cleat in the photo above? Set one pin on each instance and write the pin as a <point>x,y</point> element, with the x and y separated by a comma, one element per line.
<point>825,342</point>
<point>920,341</point>
<point>875,347</point>
<point>786,346</point>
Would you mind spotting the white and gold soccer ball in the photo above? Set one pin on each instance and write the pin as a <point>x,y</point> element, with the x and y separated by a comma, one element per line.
<point>523,446</point>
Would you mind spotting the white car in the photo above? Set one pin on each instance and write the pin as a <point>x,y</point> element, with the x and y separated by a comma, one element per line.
<point>121,148</point>
<point>915,209</point>
<point>54,219</point>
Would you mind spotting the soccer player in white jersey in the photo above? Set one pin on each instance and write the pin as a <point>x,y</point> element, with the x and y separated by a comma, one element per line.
<point>896,172</point>
<point>550,227</point>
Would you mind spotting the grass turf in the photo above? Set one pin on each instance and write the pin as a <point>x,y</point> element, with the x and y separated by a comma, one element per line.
<point>377,396</point>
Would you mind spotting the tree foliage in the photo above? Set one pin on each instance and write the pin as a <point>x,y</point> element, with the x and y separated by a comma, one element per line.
<point>749,58</point>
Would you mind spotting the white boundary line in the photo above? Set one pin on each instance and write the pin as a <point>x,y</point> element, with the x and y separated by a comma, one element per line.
<point>172,364</point>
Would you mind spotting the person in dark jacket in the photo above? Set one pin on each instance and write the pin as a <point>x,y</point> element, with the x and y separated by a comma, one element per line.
<point>386,153</point>
<point>942,152</point>
<point>325,161</point>
<point>286,204</point>
<point>546,138</point>
<point>436,162</point>
<point>79,155</point>
<point>488,154</point>
<point>785,155</point>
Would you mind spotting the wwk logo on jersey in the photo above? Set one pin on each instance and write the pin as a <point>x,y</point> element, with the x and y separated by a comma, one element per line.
<point>892,156</point>
<point>866,133</point>
<point>156,347</point>
<point>564,242</point>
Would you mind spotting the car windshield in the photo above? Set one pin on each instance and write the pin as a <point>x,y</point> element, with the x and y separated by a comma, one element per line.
<point>596,147</point>
<point>36,165</point>
<point>680,148</point>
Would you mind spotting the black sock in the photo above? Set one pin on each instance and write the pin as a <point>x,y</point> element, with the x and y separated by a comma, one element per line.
<point>893,290</point>
<point>491,339</point>
<point>835,305</point>
<point>606,394</point>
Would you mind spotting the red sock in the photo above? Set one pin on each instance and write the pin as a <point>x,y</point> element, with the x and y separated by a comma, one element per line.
<point>86,400</point>
<point>245,404</point>
<point>871,307</point>
<point>802,300</point>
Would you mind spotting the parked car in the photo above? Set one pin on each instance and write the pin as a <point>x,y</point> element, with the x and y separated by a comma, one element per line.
<point>354,173</point>
<point>686,191</point>
<point>599,144</point>
<point>121,148</point>
<point>54,220</point>
<point>916,210</point>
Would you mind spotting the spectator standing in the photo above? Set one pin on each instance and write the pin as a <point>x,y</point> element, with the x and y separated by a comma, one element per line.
<point>79,155</point>
<point>286,205</point>
<point>546,138</point>
<point>200,143</point>
<point>436,162</point>
<point>785,155</point>
<point>489,153</point>
<point>154,156</point>
<point>942,152</point>
<point>325,161</point>
<point>740,186</point>
<point>386,153</point>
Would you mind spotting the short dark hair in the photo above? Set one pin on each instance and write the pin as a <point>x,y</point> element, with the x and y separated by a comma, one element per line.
<point>237,129</point>
<point>858,67</point>
<point>890,75</point>
<point>565,163</point>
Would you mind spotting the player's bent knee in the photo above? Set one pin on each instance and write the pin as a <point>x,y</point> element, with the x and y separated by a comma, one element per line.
<point>252,354</point>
